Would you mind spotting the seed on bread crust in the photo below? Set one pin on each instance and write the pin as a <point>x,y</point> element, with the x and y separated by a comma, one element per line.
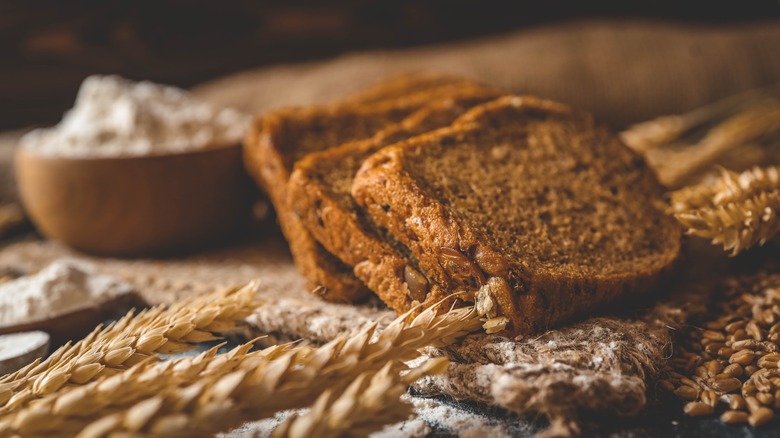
<point>417,283</point>
<point>460,268</point>
<point>486,302</point>
<point>490,262</point>
<point>495,325</point>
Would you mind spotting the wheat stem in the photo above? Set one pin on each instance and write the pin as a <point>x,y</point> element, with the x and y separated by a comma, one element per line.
<point>662,131</point>
<point>738,132</point>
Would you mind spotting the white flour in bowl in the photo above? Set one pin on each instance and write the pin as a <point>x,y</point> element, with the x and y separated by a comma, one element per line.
<point>116,117</point>
<point>63,286</point>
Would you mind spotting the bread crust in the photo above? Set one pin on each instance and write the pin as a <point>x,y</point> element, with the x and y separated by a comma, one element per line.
<point>326,275</point>
<point>438,236</point>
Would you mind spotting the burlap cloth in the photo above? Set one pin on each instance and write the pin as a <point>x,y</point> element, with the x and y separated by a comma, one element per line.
<point>625,72</point>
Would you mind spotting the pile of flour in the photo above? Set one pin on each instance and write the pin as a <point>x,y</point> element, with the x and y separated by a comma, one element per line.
<point>62,286</point>
<point>116,117</point>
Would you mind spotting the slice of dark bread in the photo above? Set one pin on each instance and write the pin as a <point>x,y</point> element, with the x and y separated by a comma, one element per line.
<point>276,140</point>
<point>541,212</point>
<point>319,190</point>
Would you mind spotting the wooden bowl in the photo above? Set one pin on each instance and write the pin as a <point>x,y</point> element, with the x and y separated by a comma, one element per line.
<point>135,206</point>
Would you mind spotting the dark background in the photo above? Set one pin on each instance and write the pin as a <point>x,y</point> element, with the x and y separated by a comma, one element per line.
<point>47,47</point>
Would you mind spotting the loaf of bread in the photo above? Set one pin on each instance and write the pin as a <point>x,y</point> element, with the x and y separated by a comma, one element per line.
<point>276,140</point>
<point>319,191</point>
<point>539,212</point>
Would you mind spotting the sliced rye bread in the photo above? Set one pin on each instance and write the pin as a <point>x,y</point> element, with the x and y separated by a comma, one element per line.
<point>275,141</point>
<point>319,190</point>
<point>539,211</point>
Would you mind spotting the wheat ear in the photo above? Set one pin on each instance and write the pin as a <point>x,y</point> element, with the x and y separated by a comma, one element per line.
<point>130,340</point>
<point>371,402</point>
<point>217,393</point>
<point>737,210</point>
<point>73,410</point>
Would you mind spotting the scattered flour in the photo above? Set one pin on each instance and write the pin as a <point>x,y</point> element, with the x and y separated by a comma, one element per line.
<point>62,286</point>
<point>444,417</point>
<point>430,415</point>
<point>116,117</point>
<point>262,428</point>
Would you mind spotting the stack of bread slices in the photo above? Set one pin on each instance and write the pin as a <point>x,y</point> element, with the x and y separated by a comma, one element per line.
<point>430,187</point>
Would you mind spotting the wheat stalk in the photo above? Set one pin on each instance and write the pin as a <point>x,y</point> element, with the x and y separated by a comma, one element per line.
<point>670,130</point>
<point>749,126</point>
<point>737,210</point>
<point>742,130</point>
<point>131,340</point>
<point>371,402</point>
<point>216,393</point>
<point>662,131</point>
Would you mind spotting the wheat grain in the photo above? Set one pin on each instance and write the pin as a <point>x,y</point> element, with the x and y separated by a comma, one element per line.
<point>696,409</point>
<point>747,378</point>
<point>734,417</point>
<point>133,339</point>
<point>217,392</point>
<point>761,417</point>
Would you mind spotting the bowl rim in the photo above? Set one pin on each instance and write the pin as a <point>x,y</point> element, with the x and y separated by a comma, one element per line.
<point>212,148</point>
